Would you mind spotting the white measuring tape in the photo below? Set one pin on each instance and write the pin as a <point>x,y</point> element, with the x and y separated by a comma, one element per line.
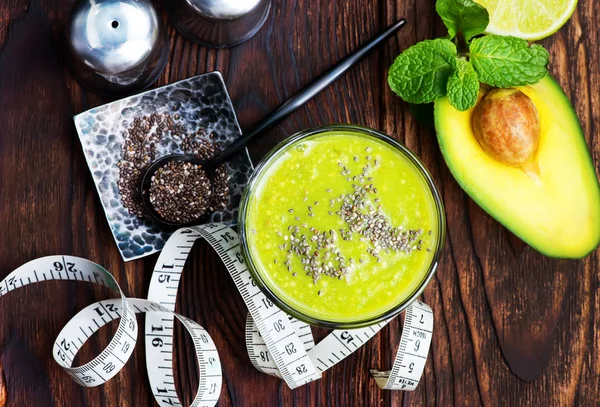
<point>277,344</point>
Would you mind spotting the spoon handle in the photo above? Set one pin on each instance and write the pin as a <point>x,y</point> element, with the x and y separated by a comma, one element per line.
<point>307,93</point>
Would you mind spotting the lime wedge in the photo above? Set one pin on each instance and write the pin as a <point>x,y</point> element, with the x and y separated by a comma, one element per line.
<point>529,19</point>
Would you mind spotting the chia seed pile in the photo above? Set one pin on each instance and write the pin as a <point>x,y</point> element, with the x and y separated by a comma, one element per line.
<point>174,202</point>
<point>180,191</point>
<point>364,220</point>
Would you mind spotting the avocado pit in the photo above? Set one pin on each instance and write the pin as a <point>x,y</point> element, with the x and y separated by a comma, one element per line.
<point>506,124</point>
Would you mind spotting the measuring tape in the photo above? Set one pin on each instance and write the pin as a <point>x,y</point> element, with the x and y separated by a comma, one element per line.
<point>277,344</point>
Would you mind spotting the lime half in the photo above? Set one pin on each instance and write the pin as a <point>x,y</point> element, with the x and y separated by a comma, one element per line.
<point>529,19</point>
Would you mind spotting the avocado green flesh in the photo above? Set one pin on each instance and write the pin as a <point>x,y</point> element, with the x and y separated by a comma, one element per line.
<point>301,188</point>
<point>557,211</point>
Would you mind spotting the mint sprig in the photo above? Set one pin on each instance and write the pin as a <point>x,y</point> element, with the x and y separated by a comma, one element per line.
<point>463,85</point>
<point>434,68</point>
<point>463,17</point>
<point>420,74</point>
<point>508,61</point>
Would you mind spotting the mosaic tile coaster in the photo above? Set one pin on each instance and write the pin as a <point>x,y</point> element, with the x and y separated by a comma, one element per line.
<point>198,102</point>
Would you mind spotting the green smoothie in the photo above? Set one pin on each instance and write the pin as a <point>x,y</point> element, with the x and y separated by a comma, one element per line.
<point>341,227</point>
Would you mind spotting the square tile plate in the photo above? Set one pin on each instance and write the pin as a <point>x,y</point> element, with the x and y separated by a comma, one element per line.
<point>200,102</point>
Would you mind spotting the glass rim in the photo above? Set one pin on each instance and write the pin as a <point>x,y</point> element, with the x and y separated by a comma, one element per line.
<point>252,266</point>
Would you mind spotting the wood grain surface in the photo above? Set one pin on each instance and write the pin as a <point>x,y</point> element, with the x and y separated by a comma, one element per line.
<point>512,327</point>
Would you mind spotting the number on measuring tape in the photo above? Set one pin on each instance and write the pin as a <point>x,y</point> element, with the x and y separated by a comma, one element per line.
<point>277,344</point>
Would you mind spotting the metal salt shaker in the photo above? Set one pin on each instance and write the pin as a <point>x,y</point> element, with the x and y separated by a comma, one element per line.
<point>116,47</point>
<point>218,23</point>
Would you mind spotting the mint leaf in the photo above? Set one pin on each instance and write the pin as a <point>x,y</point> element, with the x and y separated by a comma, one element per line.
<point>463,16</point>
<point>420,73</point>
<point>463,85</point>
<point>508,61</point>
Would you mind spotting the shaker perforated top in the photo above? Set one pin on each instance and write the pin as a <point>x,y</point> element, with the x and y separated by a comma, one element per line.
<point>114,36</point>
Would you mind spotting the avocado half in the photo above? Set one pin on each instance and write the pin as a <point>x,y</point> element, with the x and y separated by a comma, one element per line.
<point>556,211</point>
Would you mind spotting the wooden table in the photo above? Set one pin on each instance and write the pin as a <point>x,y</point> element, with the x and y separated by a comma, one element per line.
<point>511,326</point>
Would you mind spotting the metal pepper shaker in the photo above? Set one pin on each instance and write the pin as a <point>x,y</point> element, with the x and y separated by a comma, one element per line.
<point>116,47</point>
<point>218,23</point>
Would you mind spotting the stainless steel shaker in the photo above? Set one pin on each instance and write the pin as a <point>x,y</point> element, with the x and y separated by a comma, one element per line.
<point>218,23</point>
<point>116,47</point>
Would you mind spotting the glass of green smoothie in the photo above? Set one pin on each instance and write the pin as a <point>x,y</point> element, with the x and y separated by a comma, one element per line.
<point>341,226</point>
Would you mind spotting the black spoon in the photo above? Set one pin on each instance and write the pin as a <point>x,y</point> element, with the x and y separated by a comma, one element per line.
<point>293,103</point>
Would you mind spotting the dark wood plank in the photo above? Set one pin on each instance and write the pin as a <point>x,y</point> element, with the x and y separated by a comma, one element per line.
<point>512,327</point>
